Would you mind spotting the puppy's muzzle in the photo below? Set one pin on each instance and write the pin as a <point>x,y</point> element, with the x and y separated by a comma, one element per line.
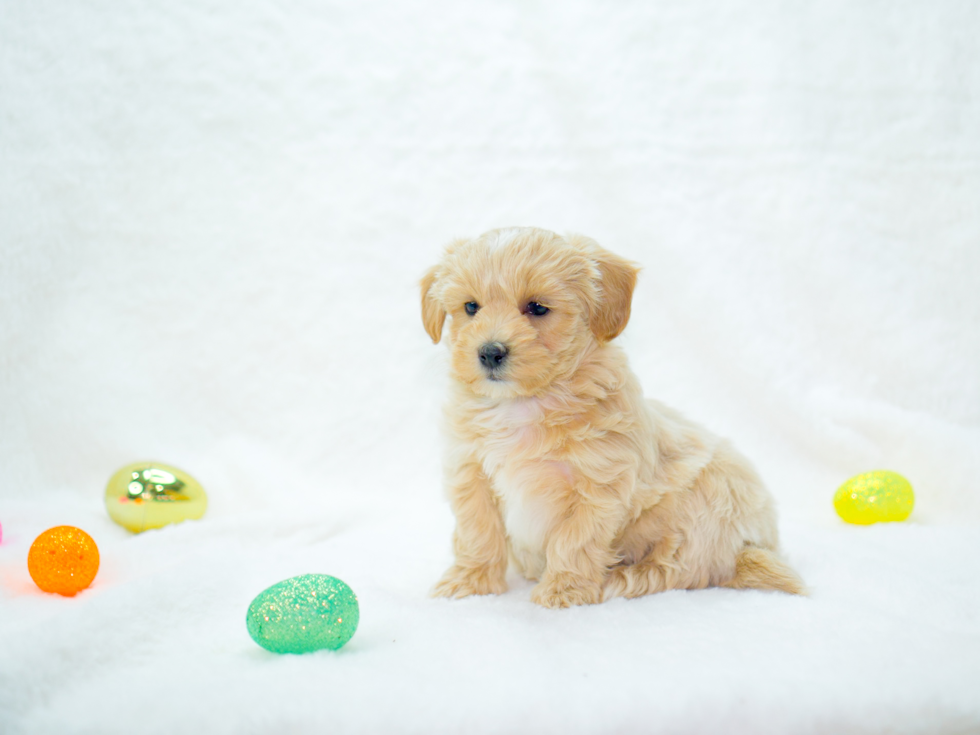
<point>492,357</point>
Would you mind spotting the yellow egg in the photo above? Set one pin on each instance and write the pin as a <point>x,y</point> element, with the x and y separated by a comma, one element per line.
<point>873,497</point>
<point>150,495</point>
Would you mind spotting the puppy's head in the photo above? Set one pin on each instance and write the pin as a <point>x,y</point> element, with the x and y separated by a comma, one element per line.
<point>524,305</point>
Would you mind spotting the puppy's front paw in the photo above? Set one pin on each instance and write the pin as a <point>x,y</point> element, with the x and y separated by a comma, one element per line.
<point>565,590</point>
<point>462,582</point>
<point>634,581</point>
<point>617,584</point>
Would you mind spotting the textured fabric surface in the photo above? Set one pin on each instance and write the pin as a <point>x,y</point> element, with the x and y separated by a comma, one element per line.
<point>213,217</point>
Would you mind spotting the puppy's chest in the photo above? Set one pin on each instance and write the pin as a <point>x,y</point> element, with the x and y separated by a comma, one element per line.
<point>514,448</point>
<point>509,435</point>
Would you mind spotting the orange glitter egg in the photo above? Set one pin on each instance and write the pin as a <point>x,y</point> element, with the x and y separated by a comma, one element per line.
<point>64,560</point>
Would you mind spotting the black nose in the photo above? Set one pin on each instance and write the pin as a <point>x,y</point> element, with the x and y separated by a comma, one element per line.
<point>492,355</point>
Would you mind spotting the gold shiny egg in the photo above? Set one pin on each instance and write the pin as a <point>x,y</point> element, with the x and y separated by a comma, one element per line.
<point>874,497</point>
<point>151,494</point>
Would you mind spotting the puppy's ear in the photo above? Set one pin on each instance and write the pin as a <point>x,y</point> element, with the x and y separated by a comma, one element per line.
<point>433,315</point>
<point>617,279</point>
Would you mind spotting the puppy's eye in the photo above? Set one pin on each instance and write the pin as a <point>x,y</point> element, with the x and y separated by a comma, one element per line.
<point>471,307</point>
<point>536,309</point>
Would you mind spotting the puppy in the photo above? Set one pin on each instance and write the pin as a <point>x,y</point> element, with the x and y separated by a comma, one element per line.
<point>556,462</point>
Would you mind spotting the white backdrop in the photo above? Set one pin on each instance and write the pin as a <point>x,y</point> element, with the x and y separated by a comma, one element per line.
<point>213,217</point>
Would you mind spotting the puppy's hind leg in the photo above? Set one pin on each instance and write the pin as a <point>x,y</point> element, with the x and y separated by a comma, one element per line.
<point>762,569</point>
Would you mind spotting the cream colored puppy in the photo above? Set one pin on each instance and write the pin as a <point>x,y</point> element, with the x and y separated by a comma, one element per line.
<point>556,461</point>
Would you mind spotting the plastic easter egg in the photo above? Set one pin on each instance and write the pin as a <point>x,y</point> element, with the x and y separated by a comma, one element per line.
<point>874,497</point>
<point>303,614</point>
<point>63,560</point>
<point>147,495</point>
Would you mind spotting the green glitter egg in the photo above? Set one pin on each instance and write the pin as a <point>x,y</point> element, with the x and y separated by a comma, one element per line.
<point>303,614</point>
<point>874,497</point>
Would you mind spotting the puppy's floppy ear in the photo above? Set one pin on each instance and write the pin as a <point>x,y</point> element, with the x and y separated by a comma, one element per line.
<point>617,279</point>
<point>433,315</point>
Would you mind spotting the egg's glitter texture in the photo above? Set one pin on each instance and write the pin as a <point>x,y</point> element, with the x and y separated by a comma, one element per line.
<point>303,614</point>
<point>64,560</point>
<point>874,497</point>
<point>148,495</point>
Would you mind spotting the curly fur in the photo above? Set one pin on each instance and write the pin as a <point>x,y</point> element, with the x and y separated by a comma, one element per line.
<point>556,462</point>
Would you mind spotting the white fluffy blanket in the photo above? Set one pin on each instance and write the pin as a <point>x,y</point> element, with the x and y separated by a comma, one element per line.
<point>212,220</point>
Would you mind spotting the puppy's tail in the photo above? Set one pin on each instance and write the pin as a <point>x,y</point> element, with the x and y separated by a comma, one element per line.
<point>762,569</point>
